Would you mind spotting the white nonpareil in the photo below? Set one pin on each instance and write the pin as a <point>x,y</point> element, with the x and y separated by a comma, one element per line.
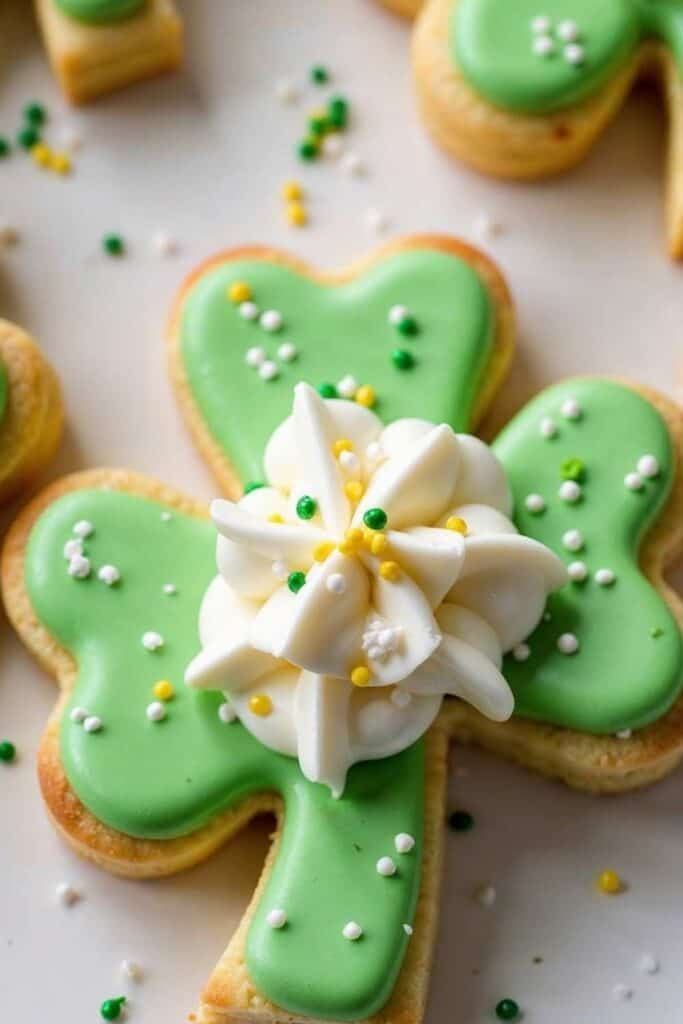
<point>417,606</point>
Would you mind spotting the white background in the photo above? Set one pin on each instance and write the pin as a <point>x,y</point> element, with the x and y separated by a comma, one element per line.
<point>201,156</point>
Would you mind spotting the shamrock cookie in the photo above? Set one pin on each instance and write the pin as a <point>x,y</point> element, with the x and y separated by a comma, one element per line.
<point>521,90</point>
<point>30,410</point>
<point>96,46</point>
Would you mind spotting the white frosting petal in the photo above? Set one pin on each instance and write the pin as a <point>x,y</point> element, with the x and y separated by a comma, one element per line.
<point>481,478</point>
<point>321,477</point>
<point>322,709</point>
<point>292,542</point>
<point>431,557</point>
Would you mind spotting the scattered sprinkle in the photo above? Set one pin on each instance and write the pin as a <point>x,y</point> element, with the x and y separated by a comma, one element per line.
<point>648,466</point>
<point>78,715</point>
<point>548,428</point>
<point>541,24</point>
<point>255,356</point>
<point>402,359</point>
<point>352,164</point>
<point>92,723</point>
<point>79,567</point>
<point>656,632</point>
<point>604,577</point>
<point>543,46</point>
<point>226,713</point>
<point>286,91</point>
<point>72,548</point>
<point>276,918</point>
<point>648,964</point>
<point>295,581</point>
<point>268,370</point>
<point>521,652</point>
<point>624,734</point>
<point>287,352</point>
<point>8,751</point>
<point>386,867</point>
<point>152,641</point>
<point>165,245</point>
<point>131,970</point>
<point>634,481</point>
<point>567,643</point>
<point>163,690</point>
<point>487,227</point>
<point>166,517</point>
<point>336,583</point>
<point>169,589</point>
<point>260,704</point>
<point>319,74</point>
<point>347,386</point>
<point>248,310</point>
<point>570,409</point>
<point>83,528</point>
<point>66,894</point>
<point>507,1009</point>
<point>156,712</point>
<point>366,396</point>
<point>622,992</point>
<point>408,929</point>
<point>535,503</point>
<point>111,1008</point>
<point>271,320</point>
<point>404,842</point>
<point>109,574</point>
<point>376,221</point>
<point>400,698</point>
<point>239,292</point>
<point>609,882</point>
<point>352,931</point>
<point>568,31</point>
<point>113,245</point>
<point>572,540</point>
<point>485,895</point>
<point>577,572</point>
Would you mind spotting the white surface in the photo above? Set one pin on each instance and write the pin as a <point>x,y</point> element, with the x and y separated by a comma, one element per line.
<point>200,158</point>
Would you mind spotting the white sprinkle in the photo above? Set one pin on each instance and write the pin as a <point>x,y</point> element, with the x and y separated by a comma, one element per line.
<point>353,164</point>
<point>577,571</point>
<point>404,842</point>
<point>376,221</point>
<point>280,569</point>
<point>485,895</point>
<point>287,351</point>
<point>268,370</point>
<point>634,481</point>
<point>156,712</point>
<point>408,929</point>
<point>541,24</point>
<point>170,589</point>
<point>623,734</point>
<point>396,314</point>
<point>648,964</point>
<point>8,234</point>
<point>567,643</point>
<point>374,451</point>
<point>574,54</point>
<point>352,931</point>
<point>486,227</point>
<point>622,992</point>
<point>336,583</point>
<point>92,723</point>
<point>255,356</point>
<point>152,641</point>
<point>543,46</point>
<point>572,540</point>
<point>248,310</point>
<point>72,548</point>
<point>332,145</point>
<point>83,528</point>
<point>521,652</point>
<point>648,466</point>
<point>78,714</point>
<point>604,577</point>
<point>109,574</point>
<point>534,503</point>
<point>129,969</point>
<point>66,894</point>
<point>386,867</point>
<point>276,918</point>
<point>568,31</point>
<point>347,386</point>
<point>570,491</point>
<point>166,517</point>
<point>164,244</point>
<point>79,567</point>
<point>286,91</point>
<point>349,461</point>
<point>400,698</point>
<point>271,320</point>
<point>226,713</point>
<point>570,409</point>
<point>71,138</point>
<point>548,427</point>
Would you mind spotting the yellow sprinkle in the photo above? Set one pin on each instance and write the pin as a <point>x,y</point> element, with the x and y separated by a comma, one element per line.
<point>609,882</point>
<point>60,163</point>
<point>366,395</point>
<point>345,548</point>
<point>41,154</point>
<point>296,214</point>
<point>379,544</point>
<point>239,291</point>
<point>353,489</point>
<point>163,690</point>
<point>275,517</point>
<point>317,112</point>
<point>456,524</point>
<point>390,571</point>
<point>261,705</point>
<point>354,535</point>
<point>322,550</point>
<point>360,675</point>
<point>291,190</point>
<point>342,445</point>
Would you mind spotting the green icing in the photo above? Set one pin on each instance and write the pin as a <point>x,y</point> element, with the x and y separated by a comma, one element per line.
<point>491,42</point>
<point>4,390</point>
<point>99,12</point>
<point>338,330</point>
<point>159,780</point>
<point>622,677</point>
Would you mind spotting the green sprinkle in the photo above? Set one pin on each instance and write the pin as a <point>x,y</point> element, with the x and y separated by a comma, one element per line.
<point>306,507</point>
<point>402,359</point>
<point>573,469</point>
<point>27,138</point>
<point>319,125</point>
<point>295,581</point>
<point>113,245</point>
<point>7,751</point>
<point>338,111</point>
<point>4,146</point>
<point>407,326</point>
<point>460,821</point>
<point>34,114</point>
<point>253,485</point>
<point>308,149</point>
<point>328,391</point>
<point>319,75</point>
<point>656,632</point>
<point>507,1009</point>
<point>375,518</point>
<point>111,1008</point>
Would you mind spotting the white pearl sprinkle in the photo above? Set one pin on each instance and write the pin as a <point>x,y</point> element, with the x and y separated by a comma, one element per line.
<point>276,918</point>
<point>400,698</point>
<point>226,713</point>
<point>397,313</point>
<point>286,91</point>
<point>109,574</point>
<point>572,540</point>
<point>79,567</point>
<point>352,931</point>
<point>570,491</point>
<point>548,427</point>
<point>648,964</point>
<point>487,227</point>
<point>521,652</point>
<point>156,712</point>
<point>622,992</point>
<point>152,641</point>
<point>268,370</point>
<point>570,409</point>
<point>634,481</point>
<point>574,54</point>
<point>349,461</point>
<point>83,528</point>
<point>568,31</point>
<point>534,503</point>
<point>404,842</point>
<point>280,569</point>
<point>332,145</point>
<point>129,969</point>
<point>577,571</point>
<point>353,164</point>
<point>336,583</point>
<point>541,24</point>
<point>376,221</point>
<point>648,466</point>
<point>164,244</point>
<point>624,734</point>
<point>485,895</point>
<point>78,714</point>
<point>92,723</point>
<point>567,643</point>
<point>248,310</point>
<point>347,386</point>
<point>271,320</point>
<point>166,517</point>
<point>543,46</point>
<point>386,867</point>
<point>604,577</point>
<point>255,356</point>
<point>66,894</point>
<point>72,548</point>
<point>287,352</point>
<point>170,589</point>
<point>408,929</point>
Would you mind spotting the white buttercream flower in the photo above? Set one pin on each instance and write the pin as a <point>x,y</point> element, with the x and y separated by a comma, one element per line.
<point>315,622</point>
